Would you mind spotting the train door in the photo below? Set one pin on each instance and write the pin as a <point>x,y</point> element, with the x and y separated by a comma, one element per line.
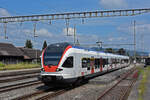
<point>92,62</point>
<point>105,64</point>
<point>69,65</point>
<point>85,66</point>
<point>101,64</point>
<point>110,61</point>
<point>77,65</point>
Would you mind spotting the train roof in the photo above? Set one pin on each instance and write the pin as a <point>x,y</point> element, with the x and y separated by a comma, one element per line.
<point>63,45</point>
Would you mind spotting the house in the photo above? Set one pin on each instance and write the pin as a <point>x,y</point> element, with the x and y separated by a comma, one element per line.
<point>30,55</point>
<point>9,54</point>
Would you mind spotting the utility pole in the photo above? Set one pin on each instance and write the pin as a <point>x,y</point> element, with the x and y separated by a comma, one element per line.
<point>34,35</point>
<point>142,42</point>
<point>5,30</point>
<point>134,41</point>
<point>74,34</point>
<point>67,26</point>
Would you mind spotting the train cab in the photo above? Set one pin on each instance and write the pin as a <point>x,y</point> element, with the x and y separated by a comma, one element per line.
<point>57,64</point>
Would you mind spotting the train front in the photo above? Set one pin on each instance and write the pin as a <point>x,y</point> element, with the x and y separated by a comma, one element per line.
<point>52,60</point>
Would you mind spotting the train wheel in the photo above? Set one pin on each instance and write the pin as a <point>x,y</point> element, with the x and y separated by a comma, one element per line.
<point>47,84</point>
<point>78,82</point>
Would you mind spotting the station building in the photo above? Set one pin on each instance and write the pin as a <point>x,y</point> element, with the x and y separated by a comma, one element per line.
<point>9,54</point>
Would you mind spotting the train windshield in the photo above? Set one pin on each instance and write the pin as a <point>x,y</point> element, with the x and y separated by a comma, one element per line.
<point>53,53</point>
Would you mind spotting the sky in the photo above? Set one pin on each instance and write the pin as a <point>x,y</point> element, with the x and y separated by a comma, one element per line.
<point>110,30</point>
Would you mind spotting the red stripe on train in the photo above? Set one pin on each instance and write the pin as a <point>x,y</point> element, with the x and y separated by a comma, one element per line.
<point>68,47</point>
<point>53,68</point>
<point>101,64</point>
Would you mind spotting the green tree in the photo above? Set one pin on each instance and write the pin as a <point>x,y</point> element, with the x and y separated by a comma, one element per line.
<point>109,50</point>
<point>28,44</point>
<point>44,45</point>
<point>121,51</point>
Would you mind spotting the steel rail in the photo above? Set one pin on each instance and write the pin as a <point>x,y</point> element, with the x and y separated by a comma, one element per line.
<point>10,79</point>
<point>17,86</point>
<point>49,96</point>
<point>123,92</point>
<point>27,96</point>
<point>125,95</point>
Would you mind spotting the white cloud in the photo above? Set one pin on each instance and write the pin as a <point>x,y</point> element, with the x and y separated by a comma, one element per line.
<point>141,28</point>
<point>113,3</point>
<point>70,31</point>
<point>4,12</point>
<point>86,38</point>
<point>116,39</point>
<point>44,32</point>
<point>27,31</point>
<point>41,32</point>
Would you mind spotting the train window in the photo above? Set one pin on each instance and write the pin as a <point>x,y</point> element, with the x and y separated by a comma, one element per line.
<point>68,62</point>
<point>122,61</point>
<point>114,61</point>
<point>52,58</point>
<point>105,62</point>
<point>126,60</point>
<point>118,61</point>
<point>88,64</point>
<point>110,61</point>
<point>97,63</point>
<point>84,63</point>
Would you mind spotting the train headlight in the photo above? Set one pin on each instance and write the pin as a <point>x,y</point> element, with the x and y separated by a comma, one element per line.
<point>42,69</point>
<point>58,69</point>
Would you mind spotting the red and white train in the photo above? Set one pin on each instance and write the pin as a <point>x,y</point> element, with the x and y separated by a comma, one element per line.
<point>63,63</point>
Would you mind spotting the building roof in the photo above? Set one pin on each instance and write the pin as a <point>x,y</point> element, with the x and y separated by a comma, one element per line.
<point>30,53</point>
<point>7,49</point>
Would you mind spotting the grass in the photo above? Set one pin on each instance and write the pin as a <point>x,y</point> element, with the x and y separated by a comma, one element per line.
<point>18,66</point>
<point>1,64</point>
<point>142,86</point>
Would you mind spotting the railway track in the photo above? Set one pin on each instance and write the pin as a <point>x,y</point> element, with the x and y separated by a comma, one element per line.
<point>8,78</point>
<point>45,97</point>
<point>51,92</point>
<point>17,73</point>
<point>48,94</point>
<point>15,78</point>
<point>122,88</point>
<point>19,85</point>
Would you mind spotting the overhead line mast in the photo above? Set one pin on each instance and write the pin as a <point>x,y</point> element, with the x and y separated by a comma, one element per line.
<point>109,13</point>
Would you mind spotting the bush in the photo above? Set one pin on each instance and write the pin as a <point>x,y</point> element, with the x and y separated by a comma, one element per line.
<point>1,64</point>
